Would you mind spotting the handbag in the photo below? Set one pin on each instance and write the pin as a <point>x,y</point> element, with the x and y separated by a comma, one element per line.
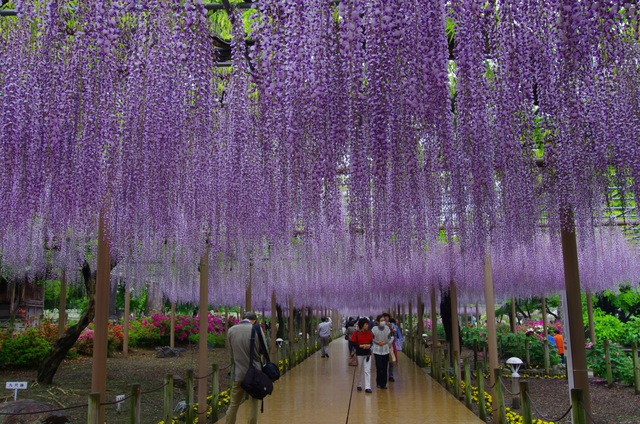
<point>353,360</point>
<point>256,383</point>
<point>269,368</point>
<point>392,356</point>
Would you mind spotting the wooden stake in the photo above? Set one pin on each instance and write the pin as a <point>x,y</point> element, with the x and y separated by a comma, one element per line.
<point>203,339</point>
<point>636,370</point>
<point>248,306</point>
<point>434,337</point>
<point>592,328</point>
<point>215,391</point>
<point>274,322</point>
<point>134,411</point>
<point>545,334</point>
<point>62,308</point>
<point>127,312</point>
<point>492,342</point>
<point>455,332</point>
<point>101,320</point>
<point>168,398</point>
<point>172,336</point>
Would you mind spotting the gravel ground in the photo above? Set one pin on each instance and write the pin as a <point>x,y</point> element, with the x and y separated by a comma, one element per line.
<point>73,381</point>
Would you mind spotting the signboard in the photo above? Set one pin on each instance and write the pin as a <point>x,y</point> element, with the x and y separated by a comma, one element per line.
<point>119,399</point>
<point>15,386</point>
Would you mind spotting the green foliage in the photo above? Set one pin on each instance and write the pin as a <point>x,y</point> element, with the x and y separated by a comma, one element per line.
<point>607,326</point>
<point>215,340</point>
<point>471,335</point>
<point>515,345</point>
<point>24,349</point>
<point>632,330</point>
<point>141,335</point>
<point>621,364</point>
<point>136,302</point>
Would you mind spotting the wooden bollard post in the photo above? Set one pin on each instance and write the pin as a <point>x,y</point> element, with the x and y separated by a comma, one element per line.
<point>547,361</point>
<point>482,406</point>
<point>456,373</point>
<point>499,400</point>
<point>447,382</point>
<point>525,403</point>
<point>215,391</point>
<point>168,398</point>
<point>190,415</point>
<point>607,353</point>
<point>467,383</point>
<point>577,410</point>
<point>134,412</point>
<point>475,354</point>
<point>94,408</point>
<point>636,370</point>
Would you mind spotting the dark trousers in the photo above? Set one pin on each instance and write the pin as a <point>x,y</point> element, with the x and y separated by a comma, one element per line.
<point>382,364</point>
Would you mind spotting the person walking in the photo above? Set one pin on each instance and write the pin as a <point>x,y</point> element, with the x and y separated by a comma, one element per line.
<point>324,334</point>
<point>239,342</point>
<point>398,340</point>
<point>560,344</point>
<point>382,340</point>
<point>362,339</point>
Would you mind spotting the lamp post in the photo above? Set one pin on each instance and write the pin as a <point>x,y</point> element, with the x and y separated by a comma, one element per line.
<point>515,364</point>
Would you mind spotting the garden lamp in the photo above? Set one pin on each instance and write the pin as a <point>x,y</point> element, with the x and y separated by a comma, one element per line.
<point>515,364</point>
<point>279,342</point>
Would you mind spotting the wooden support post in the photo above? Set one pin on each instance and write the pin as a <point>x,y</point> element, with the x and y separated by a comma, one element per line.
<point>248,306</point>
<point>545,335</point>
<point>172,334</point>
<point>607,354</point>
<point>574,305</point>
<point>203,350</point>
<point>215,391</point>
<point>525,403</point>
<point>303,341</point>
<point>411,332</point>
<point>498,400</point>
<point>134,412</point>
<point>101,320</point>
<point>291,334</point>
<point>482,406</point>
<point>455,330</point>
<point>636,369</point>
<point>435,360</point>
<point>447,374</point>
<point>94,409</point>
<point>274,323</point>
<point>592,328</point>
<point>467,383</point>
<point>168,399</point>
<point>512,316</point>
<point>190,414</point>
<point>127,313</point>
<point>62,307</point>
<point>226,324</point>
<point>577,410</point>
<point>456,374</point>
<point>527,354</point>
<point>477,315</point>
<point>492,344</point>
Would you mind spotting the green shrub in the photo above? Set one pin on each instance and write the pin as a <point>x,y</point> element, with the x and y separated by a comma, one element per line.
<point>141,335</point>
<point>471,335</point>
<point>24,349</point>
<point>515,345</point>
<point>621,364</point>
<point>632,330</point>
<point>607,327</point>
<point>215,340</point>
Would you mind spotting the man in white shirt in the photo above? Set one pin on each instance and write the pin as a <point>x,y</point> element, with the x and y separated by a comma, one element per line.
<point>324,334</point>
<point>382,340</point>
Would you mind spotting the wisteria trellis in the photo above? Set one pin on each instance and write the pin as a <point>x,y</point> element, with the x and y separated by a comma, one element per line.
<point>366,144</point>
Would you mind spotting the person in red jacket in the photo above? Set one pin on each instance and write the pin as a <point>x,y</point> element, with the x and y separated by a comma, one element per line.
<point>362,339</point>
<point>560,344</point>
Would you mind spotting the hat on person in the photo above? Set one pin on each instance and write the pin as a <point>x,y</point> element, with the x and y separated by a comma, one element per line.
<point>251,316</point>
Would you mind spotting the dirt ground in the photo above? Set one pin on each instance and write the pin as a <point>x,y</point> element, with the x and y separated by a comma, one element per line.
<point>72,383</point>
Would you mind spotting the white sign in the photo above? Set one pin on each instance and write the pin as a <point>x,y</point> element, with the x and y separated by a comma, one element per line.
<point>15,386</point>
<point>119,399</point>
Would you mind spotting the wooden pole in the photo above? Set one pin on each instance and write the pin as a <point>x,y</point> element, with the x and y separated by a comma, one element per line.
<point>545,334</point>
<point>168,398</point>
<point>498,400</point>
<point>477,315</point>
<point>411,334</point>
<point>203,339</point>
<point>134,411</point>
<point>482,406</point>
<point>434,336</point>
<point>592,328</point>
<point>101,320</point>
<point>513,315</point>
<point>574,306</point>
<point>304,331</point>
<point>525,403</point>
<point>189,415</point>
<point>467,383</point>
<point>94,409</point>
<point>607,353</point>
<point>62,308</point>
<point>215,391</point>
<point>455,331</point>
<point>492,342</point>
<point>274,322</point>
<point>226,324</point>
<point>127,312</point>
<point>636,370</point>
<point>291,335</point>
<point>172,336</point>
<point>247,301</point>
<point>577,411</point>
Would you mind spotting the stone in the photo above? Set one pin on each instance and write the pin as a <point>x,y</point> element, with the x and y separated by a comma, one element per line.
<point>27,405</point>
<point>167,352</point>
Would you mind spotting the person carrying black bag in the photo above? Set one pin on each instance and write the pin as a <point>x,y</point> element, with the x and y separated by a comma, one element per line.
<point>246,342</point>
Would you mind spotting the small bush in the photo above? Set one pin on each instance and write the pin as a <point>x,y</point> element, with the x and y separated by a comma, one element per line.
<point>607,327</point>
<point>25,349</point>
<point>632,330</point>
<point>621,364</point>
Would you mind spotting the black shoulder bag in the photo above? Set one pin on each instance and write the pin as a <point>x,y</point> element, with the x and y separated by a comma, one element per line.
<point>269,368</point>
<point>255,382</point>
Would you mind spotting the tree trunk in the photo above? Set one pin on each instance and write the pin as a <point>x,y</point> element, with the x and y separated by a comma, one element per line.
<point>52,360</point>
<point>280,334</point>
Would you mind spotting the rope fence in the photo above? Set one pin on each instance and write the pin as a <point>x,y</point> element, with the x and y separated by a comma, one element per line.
<point>588,413</point>
<point>544,417</point>
<point>158,388</point>
<point>507,389</point>
<point>45,411</point>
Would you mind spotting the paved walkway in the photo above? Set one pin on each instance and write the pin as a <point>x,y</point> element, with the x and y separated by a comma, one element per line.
<point>319,391</point>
